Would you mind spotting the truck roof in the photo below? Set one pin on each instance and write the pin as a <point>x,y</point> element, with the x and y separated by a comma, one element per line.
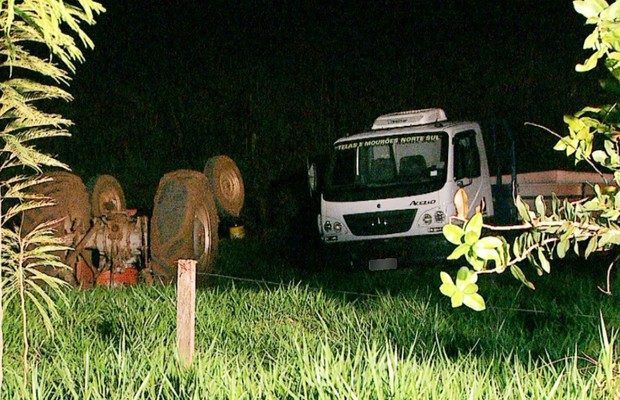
<point>445,126</point>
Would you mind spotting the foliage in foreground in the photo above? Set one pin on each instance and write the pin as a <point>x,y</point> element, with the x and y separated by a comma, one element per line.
<point>31,28</point>
<point>297,341</point>
<point>555,228</point>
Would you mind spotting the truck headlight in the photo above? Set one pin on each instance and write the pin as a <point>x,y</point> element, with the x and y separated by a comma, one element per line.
<point>427,219</point>
<point>337,226</point>
<point>440,216</point>
<point>327,226</point>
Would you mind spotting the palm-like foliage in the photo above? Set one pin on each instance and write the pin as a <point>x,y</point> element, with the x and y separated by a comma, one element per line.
<point>30,26</point>
<point>23,255</point>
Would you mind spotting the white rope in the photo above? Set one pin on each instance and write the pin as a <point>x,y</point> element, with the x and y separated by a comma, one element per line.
<point>282,283</point>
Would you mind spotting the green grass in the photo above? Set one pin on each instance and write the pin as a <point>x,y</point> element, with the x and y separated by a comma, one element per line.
<point>389,335</point>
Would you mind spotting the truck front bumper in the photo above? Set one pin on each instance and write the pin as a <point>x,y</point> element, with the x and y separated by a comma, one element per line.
<point>408,250</point>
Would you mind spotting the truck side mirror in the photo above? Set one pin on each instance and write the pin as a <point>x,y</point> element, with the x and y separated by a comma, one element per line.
<point>463,182</point>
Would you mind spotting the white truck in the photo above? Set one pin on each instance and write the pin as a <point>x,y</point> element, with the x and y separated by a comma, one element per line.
<point>388,192</point>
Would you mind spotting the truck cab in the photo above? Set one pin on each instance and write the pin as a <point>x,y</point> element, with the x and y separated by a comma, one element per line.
<point>397,181</point>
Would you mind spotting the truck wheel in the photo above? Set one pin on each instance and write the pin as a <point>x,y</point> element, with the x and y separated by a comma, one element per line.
<point>106,195</point>
<point>226,184</point>
<point>184,223</point>
<point>71,208</point>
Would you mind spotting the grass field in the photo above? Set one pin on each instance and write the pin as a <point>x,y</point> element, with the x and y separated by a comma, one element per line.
<point>300,332</point>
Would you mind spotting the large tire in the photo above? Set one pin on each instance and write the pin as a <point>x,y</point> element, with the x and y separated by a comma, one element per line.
<point>71,208</point>
<point>184,224</point>
<point>106,195</point>
<point>226,184</point>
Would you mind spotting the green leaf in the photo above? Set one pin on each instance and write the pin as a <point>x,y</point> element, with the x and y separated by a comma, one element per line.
<point>540,206</point>
<point>459,251</point>
<point>489,242</point>
<point>486,254</point>
<point>473,277</point>
<point>599,156</point>
<point>574,124</point>
<point>474,225</point>
<point>590,41</point>
<point>464,278</point>
<point>516,246</point>
<point>447,289</point>
<point>571,146</point>
<point>518,273</point>
<point>617,177</point>
<point>592,205</point>
<point>592,246</point>
<point>610,148</point>
<point>606,238</point>
<point>590,62</point>
<point>471,238</point>
<point>544,263</point>
<point>611,13</point>
<point>470,288</point>
<point>523,209</point>
<point>475,262</point>
<point>474,301</point>
<point>453,233</point>
<point>597,191</point>
<point>445,278</point>
<point>563,248</point>
<point>487,248</point>
<point>590,8</point>
<point>504,257</point>
<point>576,247</point>
<point>560,145</point>
<point>588,109</point>
<point>463,275</point>
<point>457,299</point>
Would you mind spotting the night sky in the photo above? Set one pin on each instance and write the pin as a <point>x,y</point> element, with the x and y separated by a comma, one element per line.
<point>171,83</point>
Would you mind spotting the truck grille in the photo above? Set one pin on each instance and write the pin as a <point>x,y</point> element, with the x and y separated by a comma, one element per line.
<point>380,223</point>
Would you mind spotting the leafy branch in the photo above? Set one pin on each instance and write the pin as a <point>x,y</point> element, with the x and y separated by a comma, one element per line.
<point>553,227</point>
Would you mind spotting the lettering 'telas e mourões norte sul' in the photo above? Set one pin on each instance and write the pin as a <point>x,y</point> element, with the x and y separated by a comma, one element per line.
<point>388,141</point>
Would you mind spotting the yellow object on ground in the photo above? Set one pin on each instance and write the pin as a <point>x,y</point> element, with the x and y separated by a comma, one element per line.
<point>237,232</point>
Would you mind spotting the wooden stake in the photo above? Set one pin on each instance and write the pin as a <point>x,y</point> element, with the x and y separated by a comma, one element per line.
<point>186,310</point>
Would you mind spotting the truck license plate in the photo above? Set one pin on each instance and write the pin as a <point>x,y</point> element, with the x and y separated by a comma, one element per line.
<point>382,264</point>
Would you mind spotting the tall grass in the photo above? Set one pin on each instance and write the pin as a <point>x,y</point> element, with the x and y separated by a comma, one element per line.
<point>303,338</point>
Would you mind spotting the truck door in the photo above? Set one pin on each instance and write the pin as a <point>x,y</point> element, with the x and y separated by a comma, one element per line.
<point>467,169</point>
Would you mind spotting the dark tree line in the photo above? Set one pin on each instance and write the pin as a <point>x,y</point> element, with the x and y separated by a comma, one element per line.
<point>270,85</point>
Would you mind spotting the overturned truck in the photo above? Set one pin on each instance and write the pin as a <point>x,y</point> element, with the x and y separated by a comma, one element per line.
<point>112,245</point>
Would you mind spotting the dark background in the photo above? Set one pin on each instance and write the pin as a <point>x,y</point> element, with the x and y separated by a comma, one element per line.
<point>172,83</point>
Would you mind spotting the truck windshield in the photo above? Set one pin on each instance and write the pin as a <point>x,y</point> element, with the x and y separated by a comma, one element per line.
<point>387,167</point>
